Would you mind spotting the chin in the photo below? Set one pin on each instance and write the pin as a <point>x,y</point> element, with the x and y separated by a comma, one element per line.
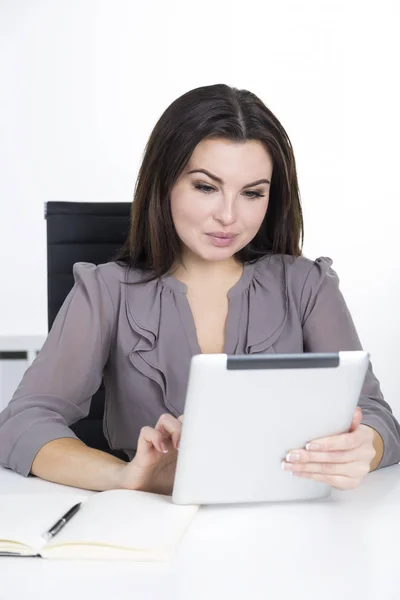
<point>217,254</point>
<point>211,253</point>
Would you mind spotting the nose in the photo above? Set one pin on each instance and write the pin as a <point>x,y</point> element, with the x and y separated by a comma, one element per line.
<point>225,212</point>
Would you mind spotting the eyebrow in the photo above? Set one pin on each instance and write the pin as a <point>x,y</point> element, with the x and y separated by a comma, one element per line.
<point>218,180</point>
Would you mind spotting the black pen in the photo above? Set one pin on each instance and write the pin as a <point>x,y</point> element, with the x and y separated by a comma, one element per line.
<point>60,524</point>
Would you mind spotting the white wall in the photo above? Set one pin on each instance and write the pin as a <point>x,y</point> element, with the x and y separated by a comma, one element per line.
<point>83,83</point>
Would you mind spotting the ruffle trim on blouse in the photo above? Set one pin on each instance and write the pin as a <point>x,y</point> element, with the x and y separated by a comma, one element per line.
<point>268,297</point>
<point>160,351</point>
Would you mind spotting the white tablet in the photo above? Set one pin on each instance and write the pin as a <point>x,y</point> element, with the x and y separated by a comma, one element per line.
<point>244,413</point>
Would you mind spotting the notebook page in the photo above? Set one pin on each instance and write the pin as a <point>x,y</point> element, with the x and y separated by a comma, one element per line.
<point>128,519</point>
<point>25,517</point>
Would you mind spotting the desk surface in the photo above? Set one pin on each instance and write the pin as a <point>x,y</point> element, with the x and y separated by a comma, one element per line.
<point>342,547</point>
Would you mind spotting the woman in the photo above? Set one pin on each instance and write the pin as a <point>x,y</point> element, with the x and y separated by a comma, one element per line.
<point>213,264</point>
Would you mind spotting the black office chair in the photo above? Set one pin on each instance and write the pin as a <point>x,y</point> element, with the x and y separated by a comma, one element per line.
<point>82,232</point>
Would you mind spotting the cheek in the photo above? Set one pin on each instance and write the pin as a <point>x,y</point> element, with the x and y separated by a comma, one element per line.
<point>186,210</point>
<point>253,215</point>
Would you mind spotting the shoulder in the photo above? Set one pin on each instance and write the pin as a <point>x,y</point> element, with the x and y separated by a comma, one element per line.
<point>112,274</point>
<point>307,274</point>
<point>297,269</point>
<point>301,276</point>
<point>106,279</point>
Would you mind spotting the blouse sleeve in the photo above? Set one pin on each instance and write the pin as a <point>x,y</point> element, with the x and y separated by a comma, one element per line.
<point>56,390</point>
<point>329,327</point>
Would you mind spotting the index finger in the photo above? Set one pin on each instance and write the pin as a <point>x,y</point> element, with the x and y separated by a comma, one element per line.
<point>170,426</point>
<point>342,441</point>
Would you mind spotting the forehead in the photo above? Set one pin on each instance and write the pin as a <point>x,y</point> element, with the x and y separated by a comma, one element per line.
<point>225,157</point>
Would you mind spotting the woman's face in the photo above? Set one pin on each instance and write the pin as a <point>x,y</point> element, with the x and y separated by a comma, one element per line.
<point>217,213</point>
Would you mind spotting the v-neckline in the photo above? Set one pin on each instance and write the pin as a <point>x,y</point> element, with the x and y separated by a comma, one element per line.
<point>186,315</point>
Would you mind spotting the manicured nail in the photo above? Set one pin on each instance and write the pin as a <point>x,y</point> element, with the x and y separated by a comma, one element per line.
<point>312,446</point>
<point>286,466</point>
<point>164,448</point>
<point>293,457</point>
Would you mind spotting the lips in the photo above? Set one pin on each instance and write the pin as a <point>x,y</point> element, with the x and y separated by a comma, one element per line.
<point>221,239</point>
<point>222,235</point>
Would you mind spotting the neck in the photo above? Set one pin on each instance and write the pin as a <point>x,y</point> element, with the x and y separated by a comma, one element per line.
<point>193,268</point>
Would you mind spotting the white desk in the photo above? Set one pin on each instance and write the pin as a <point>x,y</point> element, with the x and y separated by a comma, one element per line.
<point>344,547</point>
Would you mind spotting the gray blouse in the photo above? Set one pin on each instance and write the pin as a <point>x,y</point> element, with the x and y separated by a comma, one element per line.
<point>141,338</point>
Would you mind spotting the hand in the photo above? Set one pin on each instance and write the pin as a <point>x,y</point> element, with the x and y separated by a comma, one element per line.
<point>153,468</point>
<point>339,460</point>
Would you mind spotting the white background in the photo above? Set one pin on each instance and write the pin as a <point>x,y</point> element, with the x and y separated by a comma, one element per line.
<point>83,83</point>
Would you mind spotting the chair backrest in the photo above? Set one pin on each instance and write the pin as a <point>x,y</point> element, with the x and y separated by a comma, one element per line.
<point>82,232</point>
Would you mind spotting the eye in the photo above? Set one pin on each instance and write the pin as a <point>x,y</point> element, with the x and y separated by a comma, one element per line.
<point>207,189</point>
<point>255,195</point>
<point>203,188</point>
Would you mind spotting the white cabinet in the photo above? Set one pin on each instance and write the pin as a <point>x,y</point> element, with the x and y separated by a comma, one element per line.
<point>16,354</point>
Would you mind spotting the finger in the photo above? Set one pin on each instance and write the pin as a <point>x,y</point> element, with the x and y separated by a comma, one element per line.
<point>171,427</point>
<point>337,481</point>
<point>336,456</point>
<point>356,469</point>
<point>149,438</point>
<point>357,418</point>
<point>342,441</point>
<point>180,418</point>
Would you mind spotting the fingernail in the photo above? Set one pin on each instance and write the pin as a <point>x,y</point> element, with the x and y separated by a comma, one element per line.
<point>164,448</point>
<point>178,445</point>
<point>293,457</point>
<point>312,446</point>
<point>286,466</point>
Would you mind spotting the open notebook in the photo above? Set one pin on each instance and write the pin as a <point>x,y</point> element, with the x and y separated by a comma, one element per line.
<point>117,524</point>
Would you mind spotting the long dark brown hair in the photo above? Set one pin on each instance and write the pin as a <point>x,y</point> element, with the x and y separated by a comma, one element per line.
<point>211,111</point>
